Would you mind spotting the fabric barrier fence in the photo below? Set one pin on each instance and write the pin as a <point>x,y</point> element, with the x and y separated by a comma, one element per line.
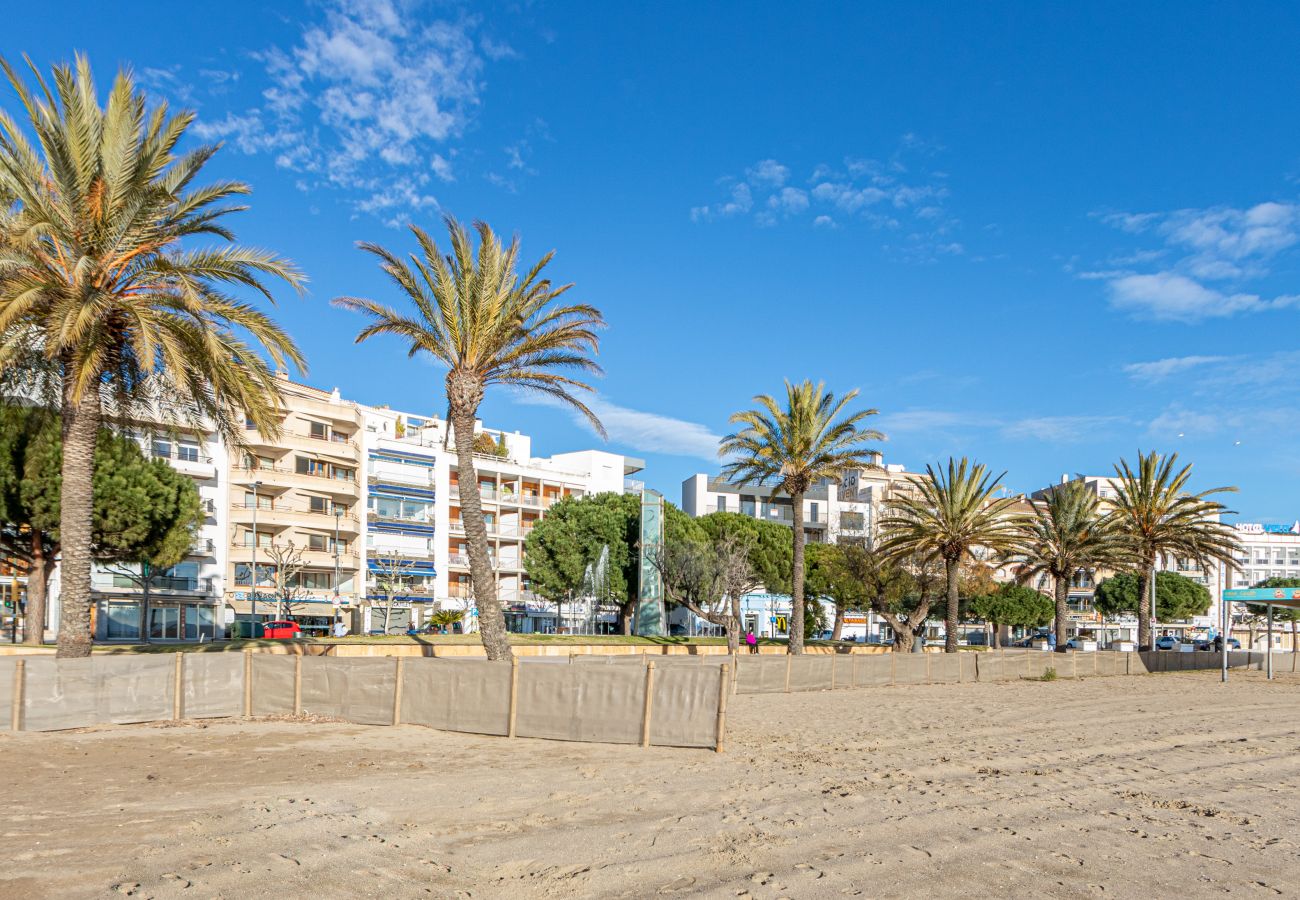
<point>685,707</point>
<point>471,695</point>
<point>580,703</point>
<point>8,665</point>
<point>355,690</point>
<point>761,674</point>
<point>272,688</point>
<point>74,693</point>
<point>212,685</point>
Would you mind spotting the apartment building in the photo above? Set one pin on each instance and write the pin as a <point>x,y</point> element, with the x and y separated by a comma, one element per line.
<point>295,513</point>
<point>184,601</point>
<point>407,456</point>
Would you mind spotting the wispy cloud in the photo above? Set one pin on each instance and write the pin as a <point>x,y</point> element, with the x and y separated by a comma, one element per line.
<point>645,431</point>
<point>949,424</point>
<point>1060,429</point>
<point>905,200</point>
<point>368,101</point>
<point>1160,369</point>
<point>1208,260</point>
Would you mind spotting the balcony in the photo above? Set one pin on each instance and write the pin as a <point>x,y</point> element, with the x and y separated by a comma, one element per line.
<point>187,461</point>
<point>202,547</point>
<point>288,476</point>
<point>374,515</point>
<point>400,553</point>
<point>158,583</point>
<point>286,515</point>
<point>424,480</point>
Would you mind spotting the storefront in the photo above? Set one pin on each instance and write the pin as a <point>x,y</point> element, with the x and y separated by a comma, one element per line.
<point>169,619</point>
<point>316,617</point>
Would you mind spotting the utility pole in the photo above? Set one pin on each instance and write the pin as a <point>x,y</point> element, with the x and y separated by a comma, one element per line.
<point>252,631</point>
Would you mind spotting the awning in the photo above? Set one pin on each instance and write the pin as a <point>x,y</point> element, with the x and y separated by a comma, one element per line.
<point>1285,597</point>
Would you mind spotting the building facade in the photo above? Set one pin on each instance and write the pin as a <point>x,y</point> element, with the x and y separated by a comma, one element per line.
<point>296,526</point>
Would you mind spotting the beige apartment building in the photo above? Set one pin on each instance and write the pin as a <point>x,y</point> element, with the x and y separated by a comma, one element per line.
<point>295,513</point>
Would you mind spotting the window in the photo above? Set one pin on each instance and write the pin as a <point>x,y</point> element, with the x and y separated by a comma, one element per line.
<point>187,451</point>
<point>319,504</point>
<point>746,505</point>
<point>317,542</point>
<point>199,622</point>
<point>162,449</point>
<point>123,621</point>
<point>812,514</point>
<point>315,581</point>
<point>263,501</point>
<point>305,465</point>
<point>722,504</point>
<point>341,473</point>
<point>263,538</point>
<point>265,575</point>
<point>318,430</point>
<point>403,508</point>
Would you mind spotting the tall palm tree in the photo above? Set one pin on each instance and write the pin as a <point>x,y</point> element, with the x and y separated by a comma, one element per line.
<point>950,516</point>
<point>99,276</point>
<point>793,447</point>
<point>488,325</point>
<point>1156,515</point>
<point>1067,532</point>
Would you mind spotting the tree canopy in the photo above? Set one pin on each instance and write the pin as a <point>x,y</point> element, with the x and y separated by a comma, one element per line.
<point>1012,604</point>
<point>1177,597</point>
<point>770,550</point>
<point>572,535</point>
<point>1280,613</point>
<point>144,510</point>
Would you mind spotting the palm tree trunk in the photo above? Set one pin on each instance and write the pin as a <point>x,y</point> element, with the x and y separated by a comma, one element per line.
<point>491,620</point>
<point>1062,611</point>
<point>796,578</point>
<point>838,631</point>
<point>1145,641</point>
<point>952,568</point>
<point>996,643</point>
<point>81,418</point>
<point>38,577</point>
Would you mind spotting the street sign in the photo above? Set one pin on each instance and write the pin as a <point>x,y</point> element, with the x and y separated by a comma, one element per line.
<point>1278,596</point>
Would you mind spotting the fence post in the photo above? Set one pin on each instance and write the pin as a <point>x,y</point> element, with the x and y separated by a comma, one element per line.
<point>853,670</point>
<point>735,673</point>
<point>397,689</point>
<point>514,694</point>
<point>176,692</point>
<point>297,685</point>
<point>789,658</point>
<point>977,666</point>
<point>833,655</point>
<point>649,702</point>
<point>248,682</point>
<point>893,663</point>
<point>927,668</point>
<point>1029,666</point>
<point>722,708</point>
<point>20,684</point>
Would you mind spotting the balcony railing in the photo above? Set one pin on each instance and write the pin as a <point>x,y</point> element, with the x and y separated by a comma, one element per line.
<point>166,583</point>
<point>421,481</point>
<point>251,474</point>
<point>181,454</point>
<point>295,509</point>
<point>202,547</point>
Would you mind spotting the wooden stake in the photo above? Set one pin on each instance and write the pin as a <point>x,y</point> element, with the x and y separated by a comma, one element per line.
<point>176,693</point>
<point>853,670</point>
<point>514,694</point>
<point>297,685</point>
<point>833,655</point>
<point>893,664</point>
<point>649,702</point>
<point>927,668</point>
<point>248,682</point>
<point>20,684</point>
<point>397,689</point>
<point>789,659</point>
<point>722,708</point>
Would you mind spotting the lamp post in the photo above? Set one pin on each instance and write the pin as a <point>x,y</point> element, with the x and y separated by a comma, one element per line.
<point>252,631</point>
<point>338,513</point>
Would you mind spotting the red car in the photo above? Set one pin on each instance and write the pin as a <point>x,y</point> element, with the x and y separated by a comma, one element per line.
<point>284,631</point>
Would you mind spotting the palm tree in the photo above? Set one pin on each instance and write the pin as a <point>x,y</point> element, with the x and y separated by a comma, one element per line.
<point>97,274</point>
<point>793,447</point>
<point>949,517</point>
<point>1155,515</point>
<point>475,315</point>
<point>1066,533</point>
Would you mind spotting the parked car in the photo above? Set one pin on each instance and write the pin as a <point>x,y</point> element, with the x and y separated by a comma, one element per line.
<point>1166,642</point>
<point>284,631</point>
<point>1029,641</point>
<point>1233,644</point>
<point>1076,643</point>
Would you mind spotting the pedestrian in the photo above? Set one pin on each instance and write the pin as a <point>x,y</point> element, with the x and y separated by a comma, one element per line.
<point>340,628</point>
<point>751,641</point>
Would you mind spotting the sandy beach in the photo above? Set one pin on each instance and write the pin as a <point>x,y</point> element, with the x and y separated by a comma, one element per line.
<point>1122,787</point>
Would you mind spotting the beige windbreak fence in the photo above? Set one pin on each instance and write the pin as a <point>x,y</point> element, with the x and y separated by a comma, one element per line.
<point>675,705</point>
<point>646,700</point>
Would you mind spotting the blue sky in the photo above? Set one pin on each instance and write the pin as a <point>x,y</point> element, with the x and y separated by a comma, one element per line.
<point>1043,235</point>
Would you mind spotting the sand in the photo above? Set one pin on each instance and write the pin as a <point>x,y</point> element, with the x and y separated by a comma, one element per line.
<point>1168,785</point>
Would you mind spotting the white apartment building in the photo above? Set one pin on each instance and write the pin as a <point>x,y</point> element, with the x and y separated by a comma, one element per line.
<point>184,601</point>
<point>413,518</point>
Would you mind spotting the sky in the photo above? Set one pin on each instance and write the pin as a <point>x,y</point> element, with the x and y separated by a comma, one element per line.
<point>1043,235</point>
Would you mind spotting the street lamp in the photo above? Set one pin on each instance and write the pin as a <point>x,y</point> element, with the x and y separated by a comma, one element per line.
<point>252,631</point>
<point>338,513</point>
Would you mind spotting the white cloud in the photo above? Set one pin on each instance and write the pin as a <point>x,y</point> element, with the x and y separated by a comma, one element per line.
<point>373,93</point>
<point>640,430</point>
<point>1215,253</point>
<point>1058,429</point>
<point>1160,369</point>
<point>887,194</point>
<point>768,173</point>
